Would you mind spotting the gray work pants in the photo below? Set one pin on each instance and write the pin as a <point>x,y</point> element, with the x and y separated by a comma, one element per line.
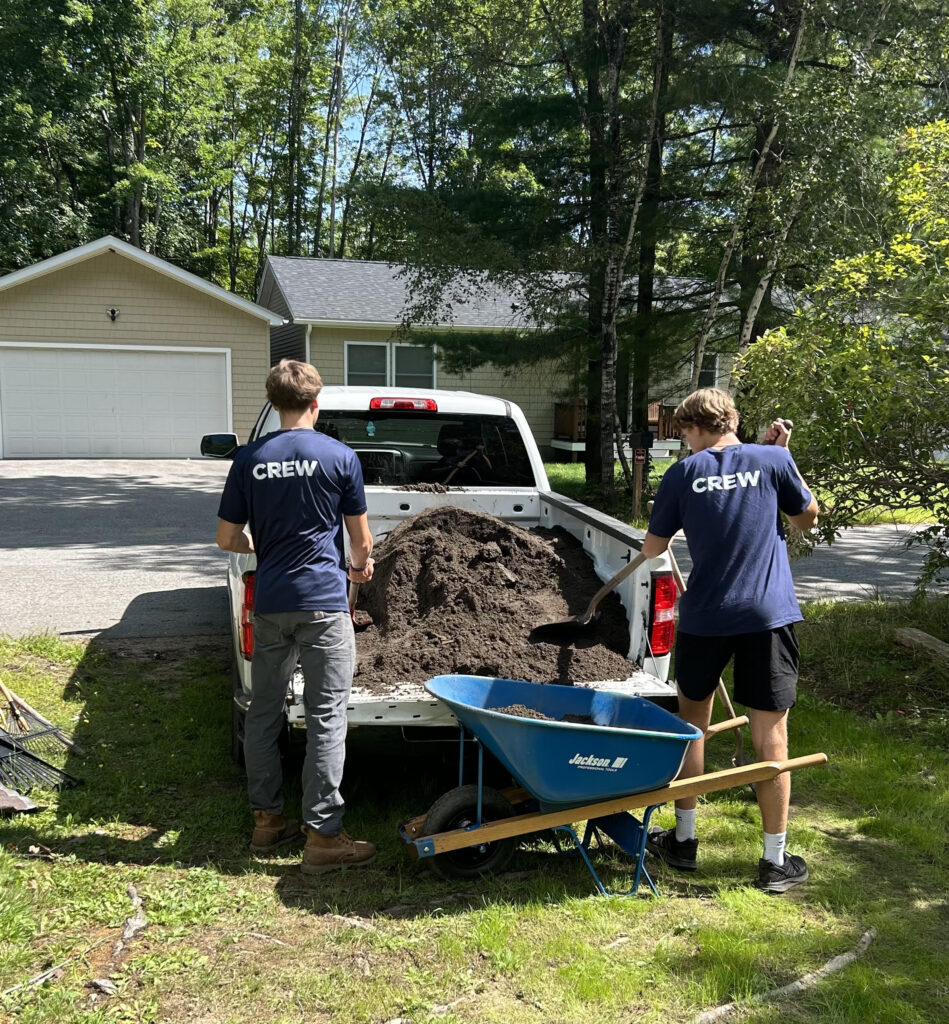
<point>326,647</point>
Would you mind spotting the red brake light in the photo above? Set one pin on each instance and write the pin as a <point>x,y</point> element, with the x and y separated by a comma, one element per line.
<point>411,404</point>
<point>662,629</point>
<point>246,634</point>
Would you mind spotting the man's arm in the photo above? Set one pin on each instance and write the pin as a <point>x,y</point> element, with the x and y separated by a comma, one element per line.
<point>231,537</point>
<point>360,547</point>
<point>807,519</point>
<point>654,546</point>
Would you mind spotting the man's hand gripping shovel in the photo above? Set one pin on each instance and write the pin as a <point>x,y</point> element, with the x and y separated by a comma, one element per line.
<point>361,618</point>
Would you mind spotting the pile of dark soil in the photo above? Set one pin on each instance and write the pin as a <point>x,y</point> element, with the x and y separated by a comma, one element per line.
<point>459,592</point>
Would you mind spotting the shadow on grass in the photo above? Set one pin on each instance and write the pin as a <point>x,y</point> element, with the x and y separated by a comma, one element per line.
<point>159,789</point>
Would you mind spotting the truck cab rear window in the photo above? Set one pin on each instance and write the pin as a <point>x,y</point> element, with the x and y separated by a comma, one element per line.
<point>397,448</point>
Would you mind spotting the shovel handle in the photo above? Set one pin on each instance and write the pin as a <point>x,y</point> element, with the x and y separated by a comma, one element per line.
<point>609,586</point>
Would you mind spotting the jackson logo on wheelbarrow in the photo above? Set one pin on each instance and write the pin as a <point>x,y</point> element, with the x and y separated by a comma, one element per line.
<point>600,764</point>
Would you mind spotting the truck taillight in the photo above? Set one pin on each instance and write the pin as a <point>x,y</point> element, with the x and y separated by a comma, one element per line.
<point>662,627</point>
<point>409,404</point>
<point>247,617</point>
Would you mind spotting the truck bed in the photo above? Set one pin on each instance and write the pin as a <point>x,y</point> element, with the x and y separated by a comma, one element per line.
<point>610,545</point>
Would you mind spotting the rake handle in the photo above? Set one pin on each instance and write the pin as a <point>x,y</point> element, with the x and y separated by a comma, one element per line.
<point>14,710</point>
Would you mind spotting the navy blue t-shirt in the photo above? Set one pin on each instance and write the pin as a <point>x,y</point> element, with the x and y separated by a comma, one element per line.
<point>727,501</point>
<point>293,487</point>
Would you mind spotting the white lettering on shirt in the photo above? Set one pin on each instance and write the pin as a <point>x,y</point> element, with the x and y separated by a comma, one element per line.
<point>270,470</point>
<point>728,482</point>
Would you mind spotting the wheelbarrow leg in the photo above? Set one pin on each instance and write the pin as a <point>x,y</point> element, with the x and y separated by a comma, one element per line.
<point>627,832</point>
<point>581,849</point>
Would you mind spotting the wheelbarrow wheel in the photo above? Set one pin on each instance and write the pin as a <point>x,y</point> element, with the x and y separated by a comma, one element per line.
<point>458,808</point>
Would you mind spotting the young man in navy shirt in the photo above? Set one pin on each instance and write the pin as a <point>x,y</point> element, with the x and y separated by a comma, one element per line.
<point>297,489</point>
<point>727,497</point>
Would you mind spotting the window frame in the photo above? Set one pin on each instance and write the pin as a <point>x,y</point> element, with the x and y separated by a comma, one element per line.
<point>390,347</point>
<point>365,344</point>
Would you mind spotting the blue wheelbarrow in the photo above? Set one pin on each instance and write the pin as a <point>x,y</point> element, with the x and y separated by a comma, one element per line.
<point>575,755</point>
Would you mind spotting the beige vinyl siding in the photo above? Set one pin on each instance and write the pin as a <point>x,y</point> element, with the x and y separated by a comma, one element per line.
<point>70,306</point>
<point>534,388</point>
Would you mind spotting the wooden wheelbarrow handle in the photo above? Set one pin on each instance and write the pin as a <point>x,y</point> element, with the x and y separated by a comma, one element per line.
<point>535,821</point>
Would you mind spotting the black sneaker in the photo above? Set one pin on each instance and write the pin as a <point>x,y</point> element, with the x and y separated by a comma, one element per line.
<point>779,879</point>
<point>677,853</point>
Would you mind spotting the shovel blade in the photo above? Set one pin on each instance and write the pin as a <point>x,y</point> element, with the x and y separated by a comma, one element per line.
<point>564,632</point>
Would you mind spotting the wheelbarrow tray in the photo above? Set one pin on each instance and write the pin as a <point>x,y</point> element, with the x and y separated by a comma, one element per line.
<point>633,745</point>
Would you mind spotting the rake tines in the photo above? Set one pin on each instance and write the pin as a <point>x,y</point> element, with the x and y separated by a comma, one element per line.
<point>22,770</point>
<point>28,727</point>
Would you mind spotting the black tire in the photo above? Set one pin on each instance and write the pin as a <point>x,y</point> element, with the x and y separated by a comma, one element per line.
<point>458,808</point>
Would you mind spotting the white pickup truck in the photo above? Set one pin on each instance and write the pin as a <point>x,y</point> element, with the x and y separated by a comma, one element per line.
<point>402,438</point>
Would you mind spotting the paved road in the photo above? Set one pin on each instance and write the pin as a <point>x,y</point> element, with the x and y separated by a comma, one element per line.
<point>126,548</point>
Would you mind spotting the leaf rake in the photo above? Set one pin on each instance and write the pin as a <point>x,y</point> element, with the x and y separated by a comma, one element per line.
<point>22,770</point>
<point>28,728</point>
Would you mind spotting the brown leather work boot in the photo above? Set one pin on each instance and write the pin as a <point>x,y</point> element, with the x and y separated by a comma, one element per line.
<point>272,831</point>
<point>329,853</point>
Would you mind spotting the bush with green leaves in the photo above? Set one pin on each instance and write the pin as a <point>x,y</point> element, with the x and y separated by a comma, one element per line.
<point>863,366</point>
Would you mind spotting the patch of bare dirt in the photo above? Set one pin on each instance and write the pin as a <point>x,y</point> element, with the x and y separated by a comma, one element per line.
<point>459,592</point>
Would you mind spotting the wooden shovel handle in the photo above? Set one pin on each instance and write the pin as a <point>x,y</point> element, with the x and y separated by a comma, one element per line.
<point>610,586</point>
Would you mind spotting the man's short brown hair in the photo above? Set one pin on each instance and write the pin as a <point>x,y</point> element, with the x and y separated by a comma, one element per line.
<point>293,386</point>
<point>709,409</point>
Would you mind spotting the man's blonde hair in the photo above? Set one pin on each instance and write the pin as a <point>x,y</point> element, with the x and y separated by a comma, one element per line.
<point>710,409</point>
<point>293,386</point>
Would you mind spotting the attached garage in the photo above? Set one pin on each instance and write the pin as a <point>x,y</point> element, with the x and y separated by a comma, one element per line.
<point>109,352</point>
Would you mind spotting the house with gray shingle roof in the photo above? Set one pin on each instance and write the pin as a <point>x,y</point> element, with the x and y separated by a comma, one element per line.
<point>343,316</point>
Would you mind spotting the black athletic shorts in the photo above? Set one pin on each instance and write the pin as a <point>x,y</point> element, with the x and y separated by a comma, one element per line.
<point>765,670</point>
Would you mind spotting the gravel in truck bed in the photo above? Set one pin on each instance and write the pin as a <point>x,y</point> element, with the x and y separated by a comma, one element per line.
<point>459,592</point>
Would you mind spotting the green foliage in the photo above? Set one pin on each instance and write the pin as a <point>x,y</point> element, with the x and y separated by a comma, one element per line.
<point>863,368</point>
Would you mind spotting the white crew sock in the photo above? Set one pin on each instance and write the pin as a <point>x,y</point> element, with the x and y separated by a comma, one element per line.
<point>685,825</point>
<point>774,847</point>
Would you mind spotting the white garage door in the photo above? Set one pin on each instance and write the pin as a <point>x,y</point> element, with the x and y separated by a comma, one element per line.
<point>119,403</point>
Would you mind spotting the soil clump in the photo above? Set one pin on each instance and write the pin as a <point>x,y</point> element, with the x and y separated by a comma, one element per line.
<point>523,711</point>
<point>459,592</point>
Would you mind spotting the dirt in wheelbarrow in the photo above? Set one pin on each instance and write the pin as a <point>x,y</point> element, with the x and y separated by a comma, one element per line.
<point>459,592</point>
<point>522,711</point>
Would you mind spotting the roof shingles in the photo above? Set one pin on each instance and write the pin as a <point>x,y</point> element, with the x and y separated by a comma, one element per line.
<point>358,291</point>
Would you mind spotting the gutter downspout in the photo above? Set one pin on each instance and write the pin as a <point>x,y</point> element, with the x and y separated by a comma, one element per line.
<point>309,327</point>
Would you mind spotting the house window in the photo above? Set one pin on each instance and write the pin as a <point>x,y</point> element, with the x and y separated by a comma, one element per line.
<point>414,366</point>
<point>381,364</point>
<point>708,375</point>
<point>367,364</point>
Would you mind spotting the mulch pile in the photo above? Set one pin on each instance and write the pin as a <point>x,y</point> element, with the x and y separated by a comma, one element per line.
<point>459,592</point>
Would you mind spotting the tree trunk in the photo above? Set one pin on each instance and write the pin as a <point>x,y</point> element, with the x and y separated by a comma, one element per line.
<point>597,220</point>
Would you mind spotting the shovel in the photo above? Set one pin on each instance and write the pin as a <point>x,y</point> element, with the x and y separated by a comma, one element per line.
<point>564,630</point>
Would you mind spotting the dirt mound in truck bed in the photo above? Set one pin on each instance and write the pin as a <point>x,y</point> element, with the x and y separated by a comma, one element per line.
<point>458,591</point>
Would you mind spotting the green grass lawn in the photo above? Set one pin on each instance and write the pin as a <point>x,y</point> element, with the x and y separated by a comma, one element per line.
<point>232,938</point>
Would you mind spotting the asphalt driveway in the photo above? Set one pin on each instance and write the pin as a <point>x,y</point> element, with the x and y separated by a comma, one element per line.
<point>118,546</point>
<point>126,548</point>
